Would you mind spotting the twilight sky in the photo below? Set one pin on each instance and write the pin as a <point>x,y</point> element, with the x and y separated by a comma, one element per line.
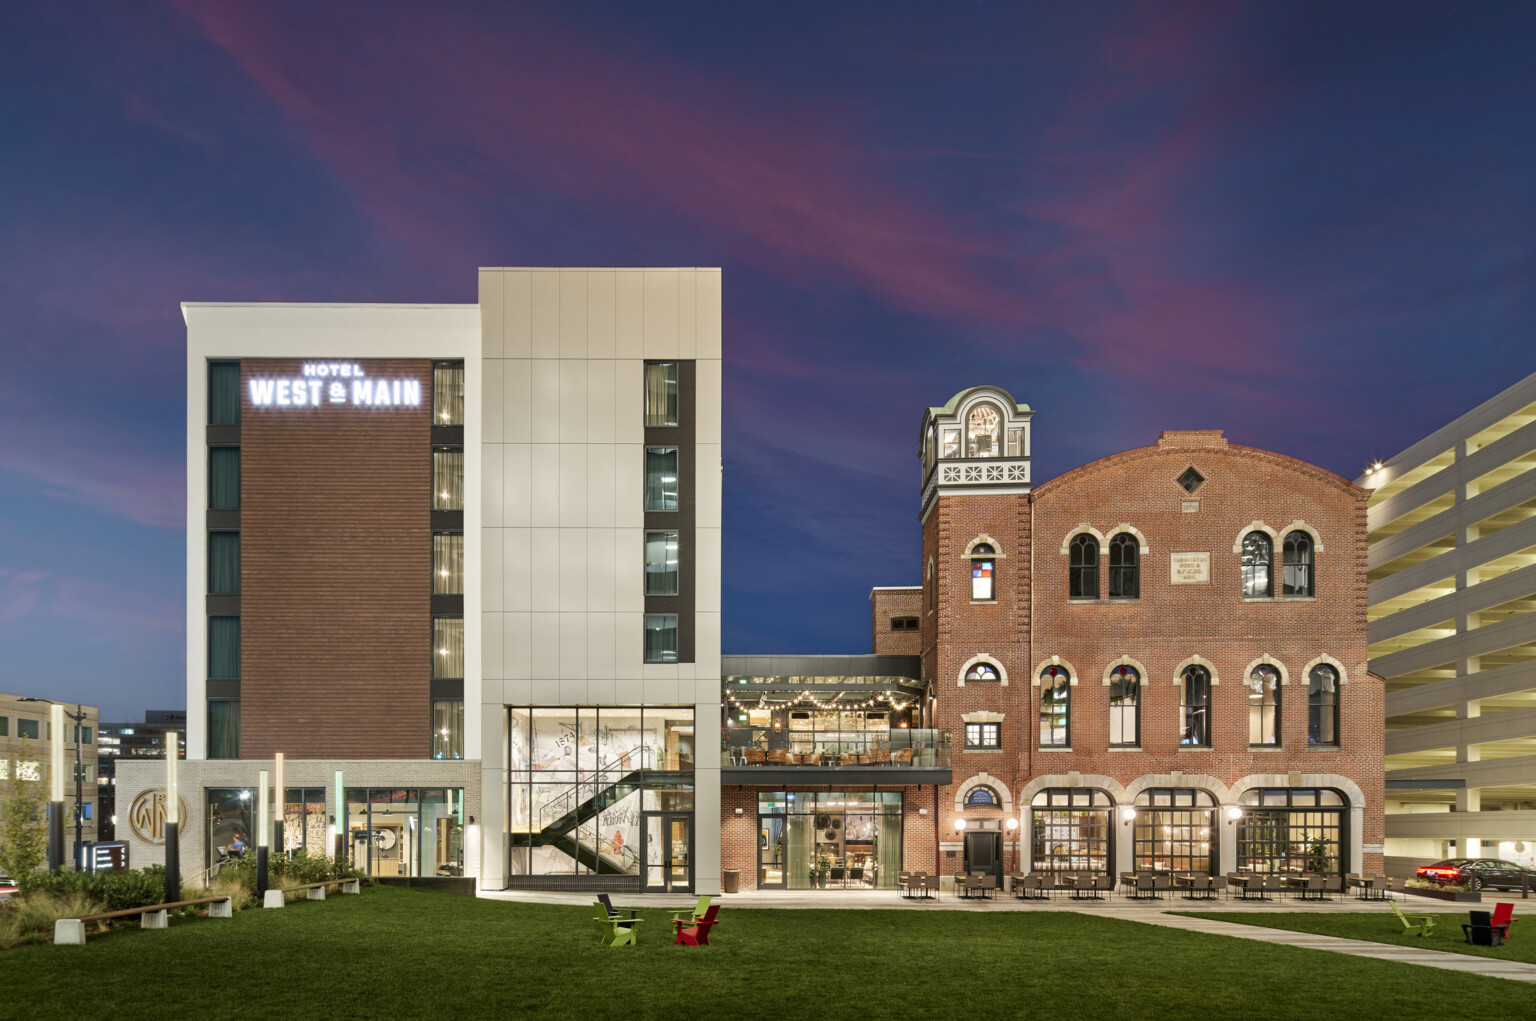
<point>1312,225</point>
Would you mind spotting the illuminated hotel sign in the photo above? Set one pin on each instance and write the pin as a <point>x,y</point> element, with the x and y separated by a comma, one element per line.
<point>338,383</point>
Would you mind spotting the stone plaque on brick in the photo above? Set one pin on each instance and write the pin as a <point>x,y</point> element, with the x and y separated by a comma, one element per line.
<point>1191,569</point>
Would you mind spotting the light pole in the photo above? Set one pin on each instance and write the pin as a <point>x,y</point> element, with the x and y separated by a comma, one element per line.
<point>56,830</point>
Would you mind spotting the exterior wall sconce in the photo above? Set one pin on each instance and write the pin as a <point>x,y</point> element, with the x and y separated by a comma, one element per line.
<point>922,811</point>
<point>738,811</point>
<point>1013,824</point>
<point>1234,813</point>
<point>959,825</point>
<point>1128,814</point>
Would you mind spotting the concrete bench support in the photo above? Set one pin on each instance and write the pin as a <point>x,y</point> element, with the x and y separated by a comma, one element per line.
<point>352,886</point>
<point>154,920</point>
<point>221,909</point>
<point>69,932</point>
<point>274,899</point>
<point>315,893</point>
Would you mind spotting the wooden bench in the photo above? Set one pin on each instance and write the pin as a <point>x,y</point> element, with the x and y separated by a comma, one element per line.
<point>71,931</point>
<point>312,891</point>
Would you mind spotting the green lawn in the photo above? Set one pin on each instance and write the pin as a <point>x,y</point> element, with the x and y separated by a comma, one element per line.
<point>394,953</point>
<point>1382,926</point>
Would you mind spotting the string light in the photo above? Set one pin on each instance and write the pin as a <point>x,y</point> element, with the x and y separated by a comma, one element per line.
<point>805,698</point>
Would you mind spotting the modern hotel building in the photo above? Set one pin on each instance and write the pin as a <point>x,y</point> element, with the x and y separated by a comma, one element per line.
<point>460,566</point>
<point>1453,632</point>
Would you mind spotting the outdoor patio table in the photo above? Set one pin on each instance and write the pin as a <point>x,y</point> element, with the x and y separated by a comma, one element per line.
<point>1373,887</point>
<point>1081,885</point>
<point>1250,884</point>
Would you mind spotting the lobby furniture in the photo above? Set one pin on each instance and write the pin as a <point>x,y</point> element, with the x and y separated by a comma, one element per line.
<point>695,933</point>
<point>1416,925</point>
<point>1481,932</point>
<point>617,932</point>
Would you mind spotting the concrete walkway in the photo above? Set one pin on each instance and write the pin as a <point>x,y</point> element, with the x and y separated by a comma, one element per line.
<point>1489,966</point>
<point>1153,912</point>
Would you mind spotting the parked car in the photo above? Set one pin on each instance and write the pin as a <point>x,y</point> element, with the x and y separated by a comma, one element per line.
<point>7,887</point>
<point>1480,872</point>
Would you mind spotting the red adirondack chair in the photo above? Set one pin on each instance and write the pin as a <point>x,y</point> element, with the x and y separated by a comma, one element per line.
<point>1504,916</point>
<point>696,933</point>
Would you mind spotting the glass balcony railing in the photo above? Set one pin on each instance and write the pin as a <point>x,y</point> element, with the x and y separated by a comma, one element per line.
<point>898,748</point>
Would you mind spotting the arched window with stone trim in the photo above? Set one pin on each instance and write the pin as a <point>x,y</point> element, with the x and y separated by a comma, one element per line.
<point>1124,567</point>
<point>1083,567</point>
<point>1055,707</point>
<point>1296,565</point>
<point>984,431</point>
<point>981,671</point>
<point>1195,707</point>
<point>1070,830</point>
<point>983,572</point>
<point>1264,707</point>
<point>1124,707</point>
<point>1323,705</point>
<point>1258,558</point>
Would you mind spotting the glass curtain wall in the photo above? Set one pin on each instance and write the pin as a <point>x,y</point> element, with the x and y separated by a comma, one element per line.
<point>579,780</point>
<point>406,831</point>
<point>1299,829</point>
<point>1070,830</point>
<point>1174,832</point>
<point>835,840</point>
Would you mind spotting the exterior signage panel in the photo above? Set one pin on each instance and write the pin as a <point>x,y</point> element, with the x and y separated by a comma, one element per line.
<point>1190,569</point>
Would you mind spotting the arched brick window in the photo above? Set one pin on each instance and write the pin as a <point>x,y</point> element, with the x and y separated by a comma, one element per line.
<point>1083,567</point>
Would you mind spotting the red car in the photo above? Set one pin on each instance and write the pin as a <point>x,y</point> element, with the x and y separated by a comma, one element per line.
<point>7,887</point>
<point>1479,872</point>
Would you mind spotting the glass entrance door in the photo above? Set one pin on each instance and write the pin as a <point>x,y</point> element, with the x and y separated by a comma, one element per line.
<point>668,852</point>
<point>770,852</point>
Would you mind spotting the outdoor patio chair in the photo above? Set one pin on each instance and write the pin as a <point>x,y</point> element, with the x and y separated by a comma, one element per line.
<point>696,932</point>
<point>1030,887</point>
<point>779,757</point>
<point>617,931</point>
<point>613,912</point>
<point>1504,916</point>
<point>694,915</point>
<point>1481,932</point>
<point>1417,925</point>
<point>987,885</point>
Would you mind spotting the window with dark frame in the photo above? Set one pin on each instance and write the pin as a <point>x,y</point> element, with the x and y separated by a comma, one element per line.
<point>982,671</point>
<point>1070,830</point>
<point>904,623</point>
<point>448,478</point>
<point>1055,707</point>
<point>223,478</point>
<point>448,563</point>
<point>1296,565</point>
<point>1257,559</point>
<point>983,735</point>
<point>661,563</point>
<point>660,394</point>
<point>1292,829</point>
<point>223,563</point>
<point>983,571</point>
<point>661,638</point>
<point>1190,480</point>
<point>1174,831</point>
<point>1323,706</point>
<point>1124,707</point>
<point>447,728</point>
<point>448,393</point>
<point>1195,707</point>
<point>1083,567</point>
<point>447,648</point>
<point>1264,707</point>
<point>223,393</point>
<point>1124,567</point>
<point>224,648</point>
<point>661,484</point>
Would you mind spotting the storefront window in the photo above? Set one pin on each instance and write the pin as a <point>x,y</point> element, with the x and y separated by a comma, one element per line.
<point>1070,830</point>
<point>231,823</point>
<point>406,831</point>
<point>598,791</point>
<point>305,821</point>
<point>1298,829</point>
<point>833,840</point>
<point>1174,832</point>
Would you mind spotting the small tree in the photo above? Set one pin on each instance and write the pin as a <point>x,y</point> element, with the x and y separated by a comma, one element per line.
<point>23,820</point>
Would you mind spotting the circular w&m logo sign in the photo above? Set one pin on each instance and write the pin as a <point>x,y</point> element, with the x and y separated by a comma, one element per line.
<point>147,816</point>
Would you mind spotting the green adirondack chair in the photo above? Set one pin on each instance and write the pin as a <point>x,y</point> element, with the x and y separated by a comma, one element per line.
<point>695,914</point>
<point>1418,925</point>
<point>616,931</point>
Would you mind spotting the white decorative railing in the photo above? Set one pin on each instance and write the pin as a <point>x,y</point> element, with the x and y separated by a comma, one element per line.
<point>988,472</point>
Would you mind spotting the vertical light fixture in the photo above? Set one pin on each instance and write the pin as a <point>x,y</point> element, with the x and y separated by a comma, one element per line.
<point>340,817</point>
<point>172,820</point>
<point>56,790</point>
<point>263,833</point>
<point>279,802</point>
